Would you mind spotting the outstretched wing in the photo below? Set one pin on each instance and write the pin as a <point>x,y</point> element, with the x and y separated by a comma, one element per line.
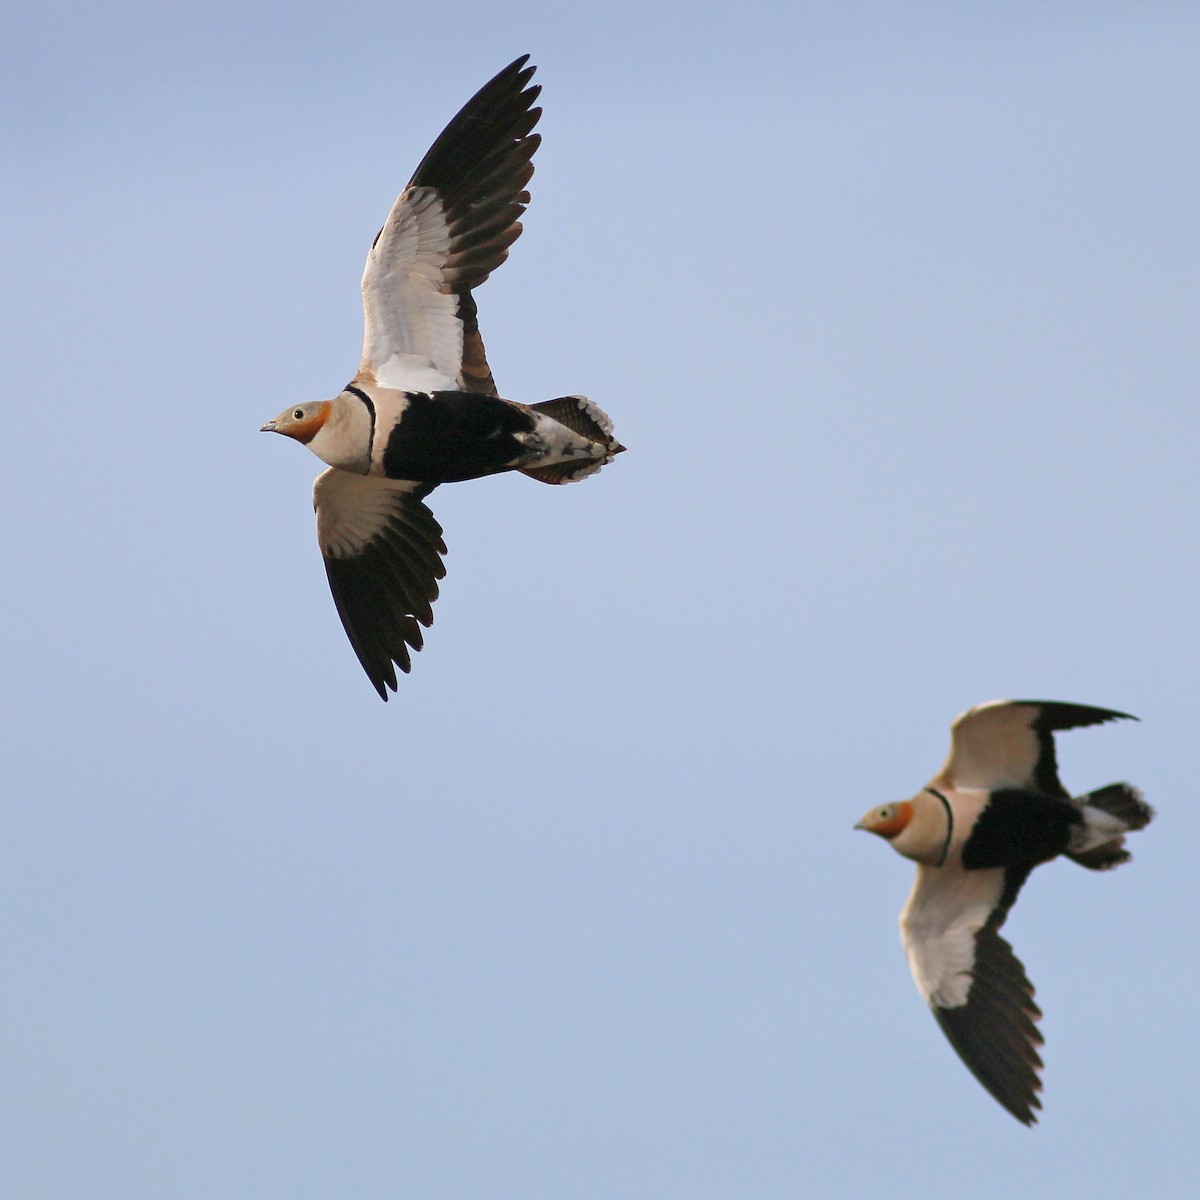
<point>449,229</point>
<point>973,982</point>
<point>1010,744</point>
<point>383,556</point>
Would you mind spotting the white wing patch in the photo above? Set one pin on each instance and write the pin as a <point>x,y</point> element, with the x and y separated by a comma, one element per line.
<point>938,927</point>
<point>993,746</point>
<point>352,510</point>
<point>413,338</point>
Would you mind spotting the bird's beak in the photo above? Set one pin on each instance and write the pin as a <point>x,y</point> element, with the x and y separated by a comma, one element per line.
<point>859,825</point>
<point>269,427</point>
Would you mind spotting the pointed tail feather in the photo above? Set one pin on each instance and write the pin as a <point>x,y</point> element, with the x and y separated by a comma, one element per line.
<point>578,413</point>
<point>566,472</point>
<point>1108,814</point>
<point>588,420</point>
<point>1120,800</point>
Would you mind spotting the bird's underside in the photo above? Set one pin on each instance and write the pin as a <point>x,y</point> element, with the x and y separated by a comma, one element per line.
<point>994,812</point>
<point>423,409</point>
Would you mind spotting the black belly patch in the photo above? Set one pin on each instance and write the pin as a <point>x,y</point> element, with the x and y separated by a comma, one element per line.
<point>1019,829</point>
<point>446,437</point>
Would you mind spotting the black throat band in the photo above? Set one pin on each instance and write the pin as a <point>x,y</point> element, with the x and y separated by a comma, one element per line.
<point>356,391</point>
<point>941,862</point>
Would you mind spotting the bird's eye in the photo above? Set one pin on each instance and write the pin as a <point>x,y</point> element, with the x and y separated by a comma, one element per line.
<point>298,415</point>
<point>885,812</point>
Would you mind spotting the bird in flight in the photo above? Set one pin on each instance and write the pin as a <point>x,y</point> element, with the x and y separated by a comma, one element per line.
<point>993,812</point>
<point>423,408</point>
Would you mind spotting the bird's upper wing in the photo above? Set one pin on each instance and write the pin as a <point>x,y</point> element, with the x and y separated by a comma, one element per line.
<point>383,556</point>
<point>1010,743</point>
<point>450,228</point>
<point>970,977</point>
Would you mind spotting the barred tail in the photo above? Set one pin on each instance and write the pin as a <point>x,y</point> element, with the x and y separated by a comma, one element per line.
<point>1108,814</point>
<point>588,420</point>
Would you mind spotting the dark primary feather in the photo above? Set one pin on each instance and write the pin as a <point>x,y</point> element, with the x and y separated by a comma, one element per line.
<point>480,164</point>
<point>994,1032</point>
<point>1054,716</point>
<point>502,106</point>
<point>382,592</point>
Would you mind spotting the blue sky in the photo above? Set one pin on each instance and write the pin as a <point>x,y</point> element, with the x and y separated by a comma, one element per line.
<point>894,306</point>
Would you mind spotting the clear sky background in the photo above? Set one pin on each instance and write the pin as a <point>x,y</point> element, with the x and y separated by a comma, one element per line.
<point>895,306</point>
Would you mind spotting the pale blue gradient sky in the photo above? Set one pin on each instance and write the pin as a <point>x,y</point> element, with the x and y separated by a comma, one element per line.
<point>895,307</point>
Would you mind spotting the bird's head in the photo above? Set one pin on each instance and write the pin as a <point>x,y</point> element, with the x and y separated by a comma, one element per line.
<point>888,820</point>
<point>302,422</point>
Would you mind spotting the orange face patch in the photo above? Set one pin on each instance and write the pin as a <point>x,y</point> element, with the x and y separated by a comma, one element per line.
<point>890,819</point>
<point>304,431</point>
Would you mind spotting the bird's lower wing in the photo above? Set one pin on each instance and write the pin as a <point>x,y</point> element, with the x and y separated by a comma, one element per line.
<point>994,1032</point>
<point>973,982</point>
<point>383,556</point>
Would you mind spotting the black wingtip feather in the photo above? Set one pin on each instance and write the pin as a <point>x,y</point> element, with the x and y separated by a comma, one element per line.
<point>1056,715</point>
<point>497,111</point>
<point>993,1033</point>
<point>384,593</point>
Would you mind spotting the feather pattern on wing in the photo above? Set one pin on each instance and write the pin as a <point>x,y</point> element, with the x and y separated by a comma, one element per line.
<point>1010,744</point>
<point>449,229</point>
<point>971,979</point>
<point>383,557</point>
